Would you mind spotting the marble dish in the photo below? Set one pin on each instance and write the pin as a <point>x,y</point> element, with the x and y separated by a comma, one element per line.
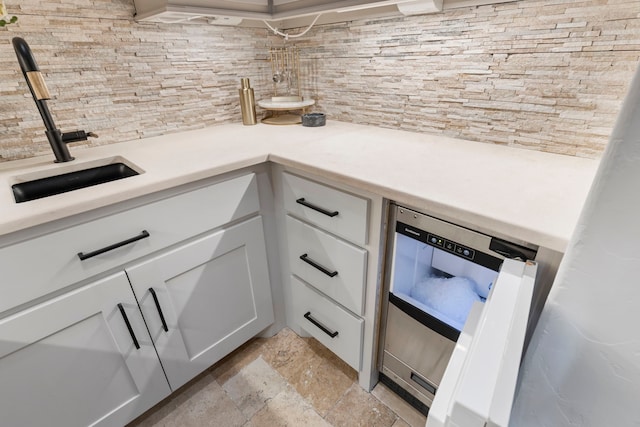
<point>314,119</point>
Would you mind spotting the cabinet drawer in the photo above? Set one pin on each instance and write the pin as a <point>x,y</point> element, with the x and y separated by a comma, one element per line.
<point>334,267</point>
<point>334,327</point>
<point>45,264</point>
<point>338,212</point>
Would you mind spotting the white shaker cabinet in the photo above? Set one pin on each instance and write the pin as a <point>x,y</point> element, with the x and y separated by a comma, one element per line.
<point>51,261</point>
<point>331,232</point>
<point>330,265</point>
<point>75,349</point>
<point>206,298</point>
<point>72,360</point>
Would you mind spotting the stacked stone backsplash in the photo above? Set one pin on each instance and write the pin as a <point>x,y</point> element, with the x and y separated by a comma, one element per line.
<point>542,75</point>
<point>118,78</point>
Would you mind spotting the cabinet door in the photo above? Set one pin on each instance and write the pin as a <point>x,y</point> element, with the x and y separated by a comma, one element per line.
<point>213,294</point>
<point>71,361</point>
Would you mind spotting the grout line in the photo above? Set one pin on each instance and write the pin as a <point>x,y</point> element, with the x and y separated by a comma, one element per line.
<point>263,352</point>
<point>338,401</point>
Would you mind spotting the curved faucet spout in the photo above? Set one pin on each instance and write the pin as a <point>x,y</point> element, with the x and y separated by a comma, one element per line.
<point>25,57</point>
<point>40,94</point>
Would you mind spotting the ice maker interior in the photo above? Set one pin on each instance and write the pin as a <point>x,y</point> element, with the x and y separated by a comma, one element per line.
<point>437,282</point>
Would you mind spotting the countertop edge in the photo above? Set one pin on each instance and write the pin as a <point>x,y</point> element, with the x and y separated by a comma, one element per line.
<point>356,155</point>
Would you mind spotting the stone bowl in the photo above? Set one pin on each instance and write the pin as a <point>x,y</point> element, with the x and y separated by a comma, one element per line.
<point>314,119</point>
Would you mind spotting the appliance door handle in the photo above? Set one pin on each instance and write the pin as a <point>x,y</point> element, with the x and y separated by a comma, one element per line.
<point>126,322</point>
<point>511,250</point>
<point>317,208</point>
<point>423,383</point>
<point>323,328</point>
<point>155,299</point>
<point>143,235</point>
<point>305,258</point>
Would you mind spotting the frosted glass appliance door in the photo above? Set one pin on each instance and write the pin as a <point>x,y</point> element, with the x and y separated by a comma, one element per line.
<point>479,383</point>
<point>438,281</point>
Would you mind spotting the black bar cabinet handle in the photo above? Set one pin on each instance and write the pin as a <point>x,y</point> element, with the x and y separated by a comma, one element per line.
<point>155,299</point>
<point>316,208</point>
<point>323,328</point>
<point>143,235</point>
<point>314,264</point>
<point>126,321</point>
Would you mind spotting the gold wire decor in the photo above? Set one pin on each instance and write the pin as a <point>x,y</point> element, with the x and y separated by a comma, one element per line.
<point>285,69</point>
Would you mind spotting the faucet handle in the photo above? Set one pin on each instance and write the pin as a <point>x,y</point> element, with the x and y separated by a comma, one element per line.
<point>78,135</point>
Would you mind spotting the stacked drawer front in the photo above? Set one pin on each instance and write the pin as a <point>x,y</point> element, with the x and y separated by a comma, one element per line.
<point>339,213</point>
<point>324,228</point>
<point>335,267</point>
<point>336,328</point>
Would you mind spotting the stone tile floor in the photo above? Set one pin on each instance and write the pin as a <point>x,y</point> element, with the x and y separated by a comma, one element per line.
<point>284,380</point>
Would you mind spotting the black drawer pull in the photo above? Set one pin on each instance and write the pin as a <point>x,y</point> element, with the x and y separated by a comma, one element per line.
<point>143,235</point>
<point>323,328</point>
<point>155,299</point>
<point>126,322</point>
<point>316,208</point>
<point>314,264</point>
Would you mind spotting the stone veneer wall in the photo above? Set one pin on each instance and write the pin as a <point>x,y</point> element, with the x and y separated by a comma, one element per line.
<point>545,75</point>
<point>121,79</point>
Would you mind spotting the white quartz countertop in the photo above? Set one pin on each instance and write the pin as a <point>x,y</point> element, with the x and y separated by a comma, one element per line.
<point>523,194</point>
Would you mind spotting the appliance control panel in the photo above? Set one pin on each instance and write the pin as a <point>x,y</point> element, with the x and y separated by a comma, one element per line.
<point>450,246</point>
